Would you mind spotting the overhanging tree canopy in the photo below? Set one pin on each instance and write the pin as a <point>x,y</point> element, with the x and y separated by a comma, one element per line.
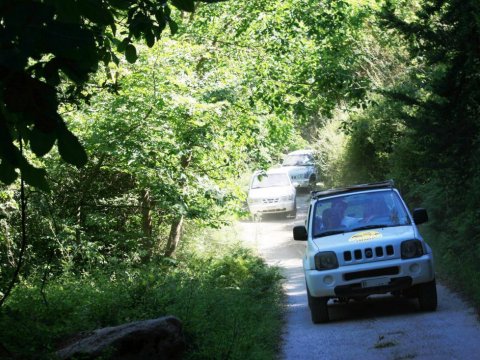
<point>48,50</point>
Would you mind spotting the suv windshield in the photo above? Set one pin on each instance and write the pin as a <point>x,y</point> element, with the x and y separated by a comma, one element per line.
<point>298,160</point>
<point>355,212</point>
<point>269,180</point>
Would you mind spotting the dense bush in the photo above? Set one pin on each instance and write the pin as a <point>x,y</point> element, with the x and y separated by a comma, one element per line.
<point>229,302</point>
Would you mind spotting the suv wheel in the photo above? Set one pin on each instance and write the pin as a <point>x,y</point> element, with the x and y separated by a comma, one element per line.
<point>427,296</point>
<point>318,308</point>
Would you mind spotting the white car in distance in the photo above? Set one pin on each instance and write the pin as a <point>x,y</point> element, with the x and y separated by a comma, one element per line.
<point>300,165</point>
<point>272,192</point>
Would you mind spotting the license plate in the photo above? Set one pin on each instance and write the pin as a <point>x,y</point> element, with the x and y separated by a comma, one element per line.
<point>375,282</point>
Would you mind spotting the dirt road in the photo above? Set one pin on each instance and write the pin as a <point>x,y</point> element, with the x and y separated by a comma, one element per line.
<point>380,328</point>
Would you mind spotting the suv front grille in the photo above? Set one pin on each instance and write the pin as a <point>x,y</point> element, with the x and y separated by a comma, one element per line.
<point>378,252</point>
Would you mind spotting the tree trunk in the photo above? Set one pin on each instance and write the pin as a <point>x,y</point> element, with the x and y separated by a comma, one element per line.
<point>174,236</point>
<point>147,223</point>
<point>84,188</point>
<point>78,233</point>
<point>177,223</point>
<point>147,226</point>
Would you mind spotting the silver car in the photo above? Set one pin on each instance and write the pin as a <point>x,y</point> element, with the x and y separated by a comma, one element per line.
<point>300,165</point>
<point>272,192</point>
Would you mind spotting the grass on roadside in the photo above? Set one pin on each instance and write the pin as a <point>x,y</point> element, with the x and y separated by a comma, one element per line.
<point>230,304</point>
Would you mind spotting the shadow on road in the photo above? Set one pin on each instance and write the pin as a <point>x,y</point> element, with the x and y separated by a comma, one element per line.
<point>374,307</point>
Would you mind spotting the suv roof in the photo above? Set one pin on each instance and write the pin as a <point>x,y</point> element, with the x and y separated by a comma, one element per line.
<point>387,184</point>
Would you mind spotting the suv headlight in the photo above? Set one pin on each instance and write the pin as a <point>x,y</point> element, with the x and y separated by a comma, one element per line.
<point>411,249</point>
<point>326,260</point>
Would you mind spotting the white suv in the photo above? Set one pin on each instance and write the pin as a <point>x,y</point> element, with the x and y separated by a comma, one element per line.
<point>272,192</point>
<point>362,240</point>
<point>300,165</point>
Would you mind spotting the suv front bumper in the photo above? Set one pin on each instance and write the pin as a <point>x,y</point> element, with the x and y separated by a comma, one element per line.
<point>397,274</point>
<point>272,208</point>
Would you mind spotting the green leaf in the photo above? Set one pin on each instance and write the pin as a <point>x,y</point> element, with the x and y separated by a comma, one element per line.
<point>115,59</point>
<point>131,53</point>
<point>41,142</point>
<point>51,73</point>
<point>122,45</point>
<point>34,176</point>
<point>160,17</point>
<point>184,5</point>
<point>95,12</point>
<point>7,173</point>
<point>173,27</point>
<point>70,148</point>
<point>149,39</point>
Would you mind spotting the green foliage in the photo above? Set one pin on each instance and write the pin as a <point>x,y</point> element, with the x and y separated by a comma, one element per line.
<point>329,145</point>
<point>49,51</point>
<point>229,302</point>
<point>301,57</point>
<point>422,128</point>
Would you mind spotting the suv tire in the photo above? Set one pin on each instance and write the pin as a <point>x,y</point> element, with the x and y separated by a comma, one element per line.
<point>318,308</point>
<point>427,296</point>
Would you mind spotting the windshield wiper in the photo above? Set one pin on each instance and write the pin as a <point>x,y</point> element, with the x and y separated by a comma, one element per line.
<point>372,226</point>
<point>328,233</point>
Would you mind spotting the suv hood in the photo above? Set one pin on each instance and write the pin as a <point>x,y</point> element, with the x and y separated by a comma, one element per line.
<point>365,238</point>
<point>273,191</point>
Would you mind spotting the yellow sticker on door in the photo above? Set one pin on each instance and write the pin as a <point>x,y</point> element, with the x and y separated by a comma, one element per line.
<point>365,236</point>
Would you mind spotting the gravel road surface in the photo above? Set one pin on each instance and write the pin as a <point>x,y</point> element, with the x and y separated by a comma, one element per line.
<point>382,327</point>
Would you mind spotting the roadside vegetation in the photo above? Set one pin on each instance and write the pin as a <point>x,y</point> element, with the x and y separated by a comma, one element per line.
<point>229,300</point>
<point>116,159</point>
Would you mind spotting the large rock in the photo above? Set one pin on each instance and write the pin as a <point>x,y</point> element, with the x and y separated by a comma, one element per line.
<point>160,338</point>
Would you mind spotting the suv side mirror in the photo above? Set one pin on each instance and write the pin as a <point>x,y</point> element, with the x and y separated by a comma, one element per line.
<point>420,216</point>
<point>300,233</point>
